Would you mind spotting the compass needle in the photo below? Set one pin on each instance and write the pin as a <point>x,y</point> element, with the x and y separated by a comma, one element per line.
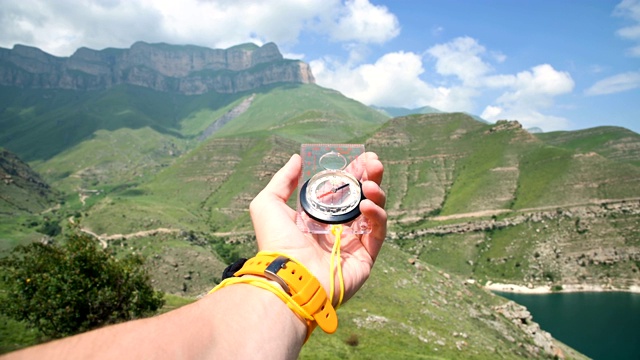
<point>341,187</point>
<point>333,191</point>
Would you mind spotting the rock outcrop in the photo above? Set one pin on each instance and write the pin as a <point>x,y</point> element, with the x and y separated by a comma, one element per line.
<point>162,67</point>
<point>522,318</point>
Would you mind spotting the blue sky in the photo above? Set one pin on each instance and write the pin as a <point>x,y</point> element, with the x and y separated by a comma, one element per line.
<point>557,65</point>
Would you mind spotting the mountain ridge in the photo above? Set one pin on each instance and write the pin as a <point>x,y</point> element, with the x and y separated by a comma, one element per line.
<point>170,68</point>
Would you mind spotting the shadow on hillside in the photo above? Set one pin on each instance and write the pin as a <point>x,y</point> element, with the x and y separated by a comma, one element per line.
<point>38,124</point>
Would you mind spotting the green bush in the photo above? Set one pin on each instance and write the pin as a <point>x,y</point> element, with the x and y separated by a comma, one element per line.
<point>68,289</point>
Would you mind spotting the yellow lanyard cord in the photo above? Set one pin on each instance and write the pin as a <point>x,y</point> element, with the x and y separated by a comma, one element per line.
<point>336,230</point>
<point>269,285</point>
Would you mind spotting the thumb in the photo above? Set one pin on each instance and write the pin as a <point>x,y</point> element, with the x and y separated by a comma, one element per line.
<point>285,181</point>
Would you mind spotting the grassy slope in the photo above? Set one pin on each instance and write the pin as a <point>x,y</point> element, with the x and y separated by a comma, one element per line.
<point>113,136</point>
<point>556,251</point>
<point>418,311</point>
<point>614,143</point>
<point>22,190</point>
<point>306,113</point>
<point>551,175</point>
<point>420,155</point>
<point>403,311</point>
<point>448,164</point>
<point>210,187</point>
<point>43,123</point>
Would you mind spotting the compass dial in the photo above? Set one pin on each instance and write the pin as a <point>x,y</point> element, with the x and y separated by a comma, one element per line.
<point>332,197</point>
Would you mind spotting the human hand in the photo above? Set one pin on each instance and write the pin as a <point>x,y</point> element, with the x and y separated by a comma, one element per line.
<point>276,230</point>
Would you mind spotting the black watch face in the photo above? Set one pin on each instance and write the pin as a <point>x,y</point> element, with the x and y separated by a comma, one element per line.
<point>332,197</point>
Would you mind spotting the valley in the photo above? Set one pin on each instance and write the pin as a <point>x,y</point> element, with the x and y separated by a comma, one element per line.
<point>170,175</point>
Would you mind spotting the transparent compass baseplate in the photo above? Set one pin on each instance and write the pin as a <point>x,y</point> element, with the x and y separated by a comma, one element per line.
<point>331,195</point>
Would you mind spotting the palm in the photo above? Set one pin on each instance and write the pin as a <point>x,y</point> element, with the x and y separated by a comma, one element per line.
<point>276,230</point>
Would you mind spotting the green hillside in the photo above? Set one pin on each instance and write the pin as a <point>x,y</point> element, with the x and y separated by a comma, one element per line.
<point>611,142</point>
<point>124,155</point>
<point>22,190</point>
<point>447,164</point>
<point>399,111</point>
<point>417,311</point>
<point>468,202</point>
<point>27,203</point>
<point>109,137</point>
<point>306,113</point>
<point>41,123</point>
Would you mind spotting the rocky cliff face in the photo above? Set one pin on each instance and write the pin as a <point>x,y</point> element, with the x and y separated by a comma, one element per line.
<point>162,67</point>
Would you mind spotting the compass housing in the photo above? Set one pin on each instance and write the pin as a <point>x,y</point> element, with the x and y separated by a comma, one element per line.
<point>332,197</point>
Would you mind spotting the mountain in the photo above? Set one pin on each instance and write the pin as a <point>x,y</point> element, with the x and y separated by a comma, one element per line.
<point>226,171</point>
<point>400,111</point>
<point>448,164</point>
<point>612,142</point>
<point>22,190</point>
<point>496,203</point>
<point>161,67</point>
<point>81,139</point>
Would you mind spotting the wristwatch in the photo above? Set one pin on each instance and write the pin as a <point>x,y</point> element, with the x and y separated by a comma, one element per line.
<point>296,281</point>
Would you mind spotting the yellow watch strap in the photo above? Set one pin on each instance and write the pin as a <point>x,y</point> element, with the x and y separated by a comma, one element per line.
<point>295,279</point>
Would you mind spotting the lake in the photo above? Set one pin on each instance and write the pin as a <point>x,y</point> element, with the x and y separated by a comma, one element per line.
<point>601,325</point>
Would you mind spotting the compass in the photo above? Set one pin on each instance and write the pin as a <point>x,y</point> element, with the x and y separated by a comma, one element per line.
<point>332,196</point>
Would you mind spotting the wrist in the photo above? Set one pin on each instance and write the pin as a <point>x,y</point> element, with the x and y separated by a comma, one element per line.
<point>259,317</point>
<point>274,285</point>
<point>294,284</point>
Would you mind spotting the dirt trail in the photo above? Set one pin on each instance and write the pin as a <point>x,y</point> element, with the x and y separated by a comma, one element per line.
<point>474,214</point>
<point>486,213</point>
<point>105,238</point>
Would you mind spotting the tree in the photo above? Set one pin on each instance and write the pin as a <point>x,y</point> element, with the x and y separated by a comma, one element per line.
<point>68,289</point>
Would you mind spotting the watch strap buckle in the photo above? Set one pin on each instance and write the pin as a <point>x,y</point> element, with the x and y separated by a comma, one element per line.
<point>271,272</point>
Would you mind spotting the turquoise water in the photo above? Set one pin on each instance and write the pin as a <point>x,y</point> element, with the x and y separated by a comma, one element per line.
<point>600,325</point>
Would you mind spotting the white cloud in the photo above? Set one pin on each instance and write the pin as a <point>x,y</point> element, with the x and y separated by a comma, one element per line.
<point>498,56</point>
<point>62,26</point>
<point>436,31</point>
<point>597,69</point>
<point>615,84</point>
<point>630,9</point>
<point>634,51</point>
<point>527,94</point>
<point>536,87</point>
<point>461,58</point>
<point>296,56</point>
<point>393,80</point>
<point>491,112</point>
<point>630,32</point>
<point>59,27</point>
<point>523,95</point>
<point>396,79</point>
<point>363,22</point>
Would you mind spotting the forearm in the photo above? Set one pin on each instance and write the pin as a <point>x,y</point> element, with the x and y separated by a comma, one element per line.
<point>239,321</point>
